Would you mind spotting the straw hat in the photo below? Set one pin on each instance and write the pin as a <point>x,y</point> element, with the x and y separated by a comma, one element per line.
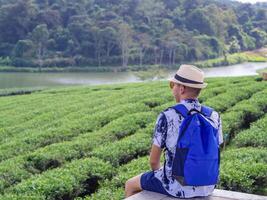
<point>189,75</point>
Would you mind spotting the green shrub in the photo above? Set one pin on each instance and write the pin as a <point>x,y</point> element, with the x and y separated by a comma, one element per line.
<point>21,197</point>
<point>16,169</point>
<point>233,95</point>
<point>70,129</point>
<point>244,170</point>
<point>12,171</point>
<point>57,154</point>
<point>114,189</point>
<point>211,92</point>
<point>18,91</point>
<point>79,177</point>
<point>117,130</point>
<point>254,136</point>
<point>123,151</point>
<point>243,113</point>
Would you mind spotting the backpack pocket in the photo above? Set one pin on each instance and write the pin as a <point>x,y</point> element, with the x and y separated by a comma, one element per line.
<point>201,171</point>
<point>178,164</point>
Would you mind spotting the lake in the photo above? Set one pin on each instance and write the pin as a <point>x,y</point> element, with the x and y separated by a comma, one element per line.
<point>23,80</point>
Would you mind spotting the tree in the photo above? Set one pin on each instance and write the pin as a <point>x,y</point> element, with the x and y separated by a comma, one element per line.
<point>167,25</point>
<point>98,42</point>
<point>244,40</point>
<point>216,46</point>
<point>125,42</point>
<point>150,11</point>
<point>61,37</point>
<point>16,20</point>
<point>244,18</point>
<point>191,5</point>
<point>23,48</point>
<point>234,45</point>
<point>171,4</point>
<point>248,42</point>
<point>170,44</point>
<point>49,17</point>
<point>261,15</point>
<point>6,49</point>
<point>109,35</point>
<point>40,36</point>
<point>199,21</point>
<point>143,41</point>
<point>260,36</point>
<point>107,32</point>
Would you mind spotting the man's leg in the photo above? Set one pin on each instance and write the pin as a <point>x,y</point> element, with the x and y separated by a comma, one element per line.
<point>133,186</point>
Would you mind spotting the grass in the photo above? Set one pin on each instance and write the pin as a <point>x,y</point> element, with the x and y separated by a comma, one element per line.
<point>260,71</point>
<point>59,69</point>
<point>232,59</point>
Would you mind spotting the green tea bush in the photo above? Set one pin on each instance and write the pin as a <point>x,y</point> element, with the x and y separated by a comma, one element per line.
<point>233,95</point>
<point>243,113</point>
<point>39,119</point>
<point>211,92</point>
<point>56,154</point>
<point>123,151</point>
<point>114,189</point>
<point>22,197</point>
<point>70,128</point>
<point>46,114</point>
<point>80,177</point>
<point>67,104</point>
<point>18,168</point>
<point>111,126</point>
<point>18,91</point>
<point>12,171</point>
<point>254,136</point>
<point>245,170</point>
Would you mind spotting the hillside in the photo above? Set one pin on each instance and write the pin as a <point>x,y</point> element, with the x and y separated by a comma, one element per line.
<point>91,33</point>
<point>77,141</point>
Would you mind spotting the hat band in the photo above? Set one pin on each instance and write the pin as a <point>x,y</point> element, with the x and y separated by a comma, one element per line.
<point>185,80</point>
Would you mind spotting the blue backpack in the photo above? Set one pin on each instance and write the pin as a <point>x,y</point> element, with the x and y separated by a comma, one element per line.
<point>197,155</point>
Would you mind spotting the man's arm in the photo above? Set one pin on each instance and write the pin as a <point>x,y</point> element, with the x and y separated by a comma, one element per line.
<point>158,141</point>
<point>155,154</point>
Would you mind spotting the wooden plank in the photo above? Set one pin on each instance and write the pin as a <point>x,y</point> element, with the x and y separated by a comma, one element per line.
<point>216,195</point>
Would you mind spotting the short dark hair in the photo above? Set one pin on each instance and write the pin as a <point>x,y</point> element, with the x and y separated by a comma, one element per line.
<point>193,91</point>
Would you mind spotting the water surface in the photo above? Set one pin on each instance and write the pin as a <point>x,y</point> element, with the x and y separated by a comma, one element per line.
<point>23,80</point>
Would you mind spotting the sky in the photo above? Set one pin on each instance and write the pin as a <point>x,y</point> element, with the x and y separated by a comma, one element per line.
<point>252,1</point>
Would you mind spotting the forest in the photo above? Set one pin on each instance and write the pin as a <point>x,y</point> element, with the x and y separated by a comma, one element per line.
<point>94,33</point>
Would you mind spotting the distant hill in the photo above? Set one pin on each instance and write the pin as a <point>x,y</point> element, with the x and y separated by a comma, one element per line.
<point>46,33</point>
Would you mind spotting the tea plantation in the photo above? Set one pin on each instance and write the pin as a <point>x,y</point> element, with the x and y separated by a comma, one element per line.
<point>85,142</point>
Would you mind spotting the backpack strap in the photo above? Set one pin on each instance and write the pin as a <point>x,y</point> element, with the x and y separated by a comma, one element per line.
<point>207,111</point>
<point>181,109</point>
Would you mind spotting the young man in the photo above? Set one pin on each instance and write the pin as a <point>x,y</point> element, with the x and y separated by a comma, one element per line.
<point>186,86</point>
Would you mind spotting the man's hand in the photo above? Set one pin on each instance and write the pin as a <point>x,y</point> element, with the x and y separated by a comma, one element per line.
<point>155,157</point>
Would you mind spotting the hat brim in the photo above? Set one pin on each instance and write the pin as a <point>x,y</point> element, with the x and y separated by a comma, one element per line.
<point>188,84</point>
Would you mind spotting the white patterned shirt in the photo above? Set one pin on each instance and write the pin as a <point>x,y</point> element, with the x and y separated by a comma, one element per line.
<point>165,136</point>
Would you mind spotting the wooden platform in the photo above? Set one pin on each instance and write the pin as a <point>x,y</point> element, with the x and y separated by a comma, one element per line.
<point>216,195</point>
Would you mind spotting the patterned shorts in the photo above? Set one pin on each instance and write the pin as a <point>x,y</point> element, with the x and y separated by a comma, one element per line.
<point>151,183</point>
